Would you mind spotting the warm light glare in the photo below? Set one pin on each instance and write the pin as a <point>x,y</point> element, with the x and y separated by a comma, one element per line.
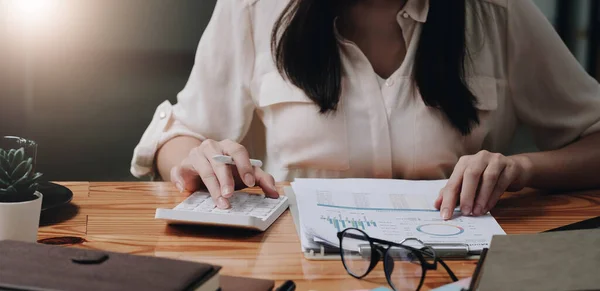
<point>31,12</point>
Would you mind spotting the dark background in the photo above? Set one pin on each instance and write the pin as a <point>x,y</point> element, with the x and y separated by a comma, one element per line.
<point>98,74</point>
<point>85,80</point>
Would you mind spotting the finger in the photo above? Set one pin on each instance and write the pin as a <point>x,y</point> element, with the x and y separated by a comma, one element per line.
<point>185,177</point>
<point>222,170</point>
<point>449,194</point>
<point>266,182</point>
<point>450,197</point>
<point>471,179</point>
<point>209,178</point>
<point>177,178</point>
<point>488,184</point>
<point>438,201</point>
<point>242,161</point>
<point>506,178</point>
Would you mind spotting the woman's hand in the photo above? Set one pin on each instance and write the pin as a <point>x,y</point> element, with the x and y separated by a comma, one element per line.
<point>220,180</point>
<point>479,180</point>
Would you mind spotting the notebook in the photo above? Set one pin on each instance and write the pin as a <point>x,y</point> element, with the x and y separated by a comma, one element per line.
<point>566,260</point>
<point>31,266</point>
<point>231,283</point>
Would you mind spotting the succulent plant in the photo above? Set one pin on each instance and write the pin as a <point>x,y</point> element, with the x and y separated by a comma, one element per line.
<point>16,173</point>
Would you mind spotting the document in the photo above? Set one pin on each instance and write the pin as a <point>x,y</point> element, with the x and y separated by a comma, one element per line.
<point>392,210</point>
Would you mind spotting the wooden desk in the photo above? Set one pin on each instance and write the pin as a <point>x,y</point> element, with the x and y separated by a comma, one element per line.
<point>120,217</point>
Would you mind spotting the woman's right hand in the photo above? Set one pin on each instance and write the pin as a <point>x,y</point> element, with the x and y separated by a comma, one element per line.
<point>199,170</point>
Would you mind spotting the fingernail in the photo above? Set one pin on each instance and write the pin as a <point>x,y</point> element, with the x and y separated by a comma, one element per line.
<point>446,213</point>
<point>226,190</point>
<point>274,189</point>
<point>222,203</point>
<point>179,187</point>
<point>249,180</point>
<point>466,210</point>
<point>478,210</point>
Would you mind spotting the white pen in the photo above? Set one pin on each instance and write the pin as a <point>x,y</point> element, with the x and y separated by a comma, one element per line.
<point>229,160</point>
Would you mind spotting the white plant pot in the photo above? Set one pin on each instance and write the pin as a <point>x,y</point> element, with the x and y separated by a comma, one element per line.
<point>20,220</point>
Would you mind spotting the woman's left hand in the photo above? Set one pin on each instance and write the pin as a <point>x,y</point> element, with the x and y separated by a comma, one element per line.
<point>479,180</point>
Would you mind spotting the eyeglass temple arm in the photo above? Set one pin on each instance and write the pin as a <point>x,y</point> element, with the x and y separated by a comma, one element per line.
<point>452,276</point>
<point>437,259</point>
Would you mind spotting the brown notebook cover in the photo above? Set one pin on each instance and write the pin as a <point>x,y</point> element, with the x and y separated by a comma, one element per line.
<point>566,260</point>
<point>230,283</point>
<point>30,266</point>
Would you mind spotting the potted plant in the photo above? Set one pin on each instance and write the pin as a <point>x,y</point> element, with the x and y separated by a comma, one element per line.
<point>20,202</point>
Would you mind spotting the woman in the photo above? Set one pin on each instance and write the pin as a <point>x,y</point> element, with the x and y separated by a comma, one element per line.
<point>417,89</point>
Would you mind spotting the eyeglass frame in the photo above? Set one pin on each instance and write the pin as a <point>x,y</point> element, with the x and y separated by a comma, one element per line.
<point>378,252</point>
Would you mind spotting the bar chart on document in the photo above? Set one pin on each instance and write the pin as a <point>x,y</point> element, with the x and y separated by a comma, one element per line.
<point>391,216</point>
<point>340,223</point>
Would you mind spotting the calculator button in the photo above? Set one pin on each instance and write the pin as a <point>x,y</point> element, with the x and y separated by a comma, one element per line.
<point>246,208</point>
<point>272,201</point>
<point>219,211</point>
<point>186,206</point>
<point>261,211</point>
<point>207,205</point>
<point>265,205</point>
<point>195,199</point>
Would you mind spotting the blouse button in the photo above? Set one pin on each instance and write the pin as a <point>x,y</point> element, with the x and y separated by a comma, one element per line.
<point>389,82</point>
<point>405,15</point>
<point>162,115</point>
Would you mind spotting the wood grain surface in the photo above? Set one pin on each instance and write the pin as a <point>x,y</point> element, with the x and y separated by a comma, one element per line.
<point>120,217</point>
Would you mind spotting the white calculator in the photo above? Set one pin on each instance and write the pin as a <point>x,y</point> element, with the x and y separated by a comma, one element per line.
<point>247,211</point>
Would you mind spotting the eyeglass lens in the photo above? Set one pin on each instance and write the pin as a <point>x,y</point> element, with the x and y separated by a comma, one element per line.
<point>356,252</point>
<point>403,266</point>
<point>404,269</point>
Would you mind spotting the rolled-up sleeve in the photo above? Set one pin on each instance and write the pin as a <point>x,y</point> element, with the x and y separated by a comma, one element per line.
<point>215,103</point>
<point>551,91</point>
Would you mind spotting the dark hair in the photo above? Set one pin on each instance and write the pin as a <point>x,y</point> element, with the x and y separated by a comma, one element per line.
<point>306,53</point>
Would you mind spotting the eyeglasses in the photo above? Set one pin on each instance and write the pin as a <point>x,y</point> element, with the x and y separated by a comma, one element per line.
<point>405,264</point>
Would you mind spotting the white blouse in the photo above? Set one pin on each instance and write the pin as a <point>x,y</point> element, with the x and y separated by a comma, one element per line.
<point>521,72</point>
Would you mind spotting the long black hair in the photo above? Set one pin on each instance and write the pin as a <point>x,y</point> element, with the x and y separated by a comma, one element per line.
<point>306,53</point>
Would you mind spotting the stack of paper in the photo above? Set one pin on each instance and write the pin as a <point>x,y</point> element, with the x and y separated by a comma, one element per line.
<point>387,209</point>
